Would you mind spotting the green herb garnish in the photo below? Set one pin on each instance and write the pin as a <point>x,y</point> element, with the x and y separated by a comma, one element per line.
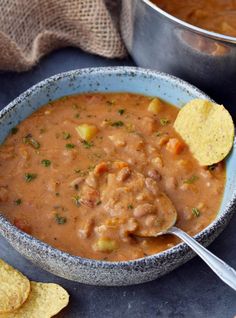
<point>14,130</point>
<point>30,177</point>
<point>196,212</point>
<point>99,202</point>
<point>60,219</point>
<point>77,115</point>
<point>70,146</point>
<point>87,144</point>
<point>164,121</point>
<point>28,139</point>
<point>121,111</point>
<point>118,123</point>
<point>57,194</point>
<point>46,162</point>
<point>18,201</point>
<point>130,207</point>
<point>191,180</point>
<point>76,199</point>
<point>66,135</point>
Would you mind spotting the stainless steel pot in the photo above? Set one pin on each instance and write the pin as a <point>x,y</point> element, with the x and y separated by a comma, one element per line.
<point>157,40</point>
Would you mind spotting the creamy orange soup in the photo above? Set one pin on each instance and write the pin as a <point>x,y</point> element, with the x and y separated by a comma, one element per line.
<point>213,15</point>
<point>90,197</point>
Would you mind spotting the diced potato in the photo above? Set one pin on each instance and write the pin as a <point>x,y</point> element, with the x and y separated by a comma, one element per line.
<point>86,131</point>
<point>105,245</point>
<point>155,106</point>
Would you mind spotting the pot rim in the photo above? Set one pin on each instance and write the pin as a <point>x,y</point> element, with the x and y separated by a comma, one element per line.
<point>151,260</point>
<point>204,32</point>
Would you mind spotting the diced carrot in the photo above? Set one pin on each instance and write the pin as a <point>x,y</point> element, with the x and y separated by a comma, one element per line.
<point>22,225</point>
<point>100,168</point>
<point>120,164</point>
<point>174,146</point>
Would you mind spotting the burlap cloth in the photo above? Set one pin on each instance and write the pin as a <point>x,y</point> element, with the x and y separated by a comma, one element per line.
<point>30,29</point>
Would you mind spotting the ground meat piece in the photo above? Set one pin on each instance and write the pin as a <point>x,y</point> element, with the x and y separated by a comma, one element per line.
<point>89,197</point>
<point>85,229</point>
<point>149,125</point>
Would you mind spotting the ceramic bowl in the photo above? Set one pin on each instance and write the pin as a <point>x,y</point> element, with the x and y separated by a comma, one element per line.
<point>120,79</point>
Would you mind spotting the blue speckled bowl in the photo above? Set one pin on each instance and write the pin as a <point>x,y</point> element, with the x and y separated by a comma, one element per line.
<point>123,79</point>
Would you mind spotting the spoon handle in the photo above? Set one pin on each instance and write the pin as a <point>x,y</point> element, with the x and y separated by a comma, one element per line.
<point>223,270</point>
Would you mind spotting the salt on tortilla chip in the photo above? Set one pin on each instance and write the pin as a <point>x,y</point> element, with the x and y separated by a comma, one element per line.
<point>208,130</point>
<point>44,301</point>
<point>14,288</point>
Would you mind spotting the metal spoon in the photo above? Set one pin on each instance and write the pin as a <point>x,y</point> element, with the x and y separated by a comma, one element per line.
<point>226,273</point>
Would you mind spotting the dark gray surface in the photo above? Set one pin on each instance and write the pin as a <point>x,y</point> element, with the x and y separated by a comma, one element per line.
<point>191,291</point>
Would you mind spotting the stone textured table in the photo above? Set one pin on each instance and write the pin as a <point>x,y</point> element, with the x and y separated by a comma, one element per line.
<point>191,291</point>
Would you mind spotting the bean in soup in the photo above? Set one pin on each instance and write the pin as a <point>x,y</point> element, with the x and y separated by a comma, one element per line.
<point>86,172</point>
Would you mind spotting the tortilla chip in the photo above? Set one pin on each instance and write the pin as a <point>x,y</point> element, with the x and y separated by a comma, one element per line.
<point>14,288</point>
<point>207,129</point>
<point>44,301</point>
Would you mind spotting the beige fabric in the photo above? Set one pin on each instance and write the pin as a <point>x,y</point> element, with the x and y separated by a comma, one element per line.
<point>30,29</point>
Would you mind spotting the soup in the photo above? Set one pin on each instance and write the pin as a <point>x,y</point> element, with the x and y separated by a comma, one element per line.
<point>86,172</point>
<point>213,15</point>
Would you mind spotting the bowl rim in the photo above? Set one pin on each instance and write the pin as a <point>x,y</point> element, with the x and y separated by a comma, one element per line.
<point>51,251</point>
<point>209,34</point>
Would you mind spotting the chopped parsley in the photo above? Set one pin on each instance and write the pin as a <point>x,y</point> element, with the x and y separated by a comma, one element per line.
<point>77,115</point>
<point>14,130</point>
<point>118,123</point>
<point>212,167</point>
<point>60,219</point>
<point>130,207</point>
<point>18,201</point>
<point>28,139</point>
<point>76,200</point>
<point>191,180</point>
<point>70,146</point>
<point>57,194</point>
<point>99,202</point>
<point>66,135</point>
<point>121,111</point>
<point>164,121</point>
<point>46,162</point>
<point>30,177</point>
<point>87,144</point>
<point>196,212</point>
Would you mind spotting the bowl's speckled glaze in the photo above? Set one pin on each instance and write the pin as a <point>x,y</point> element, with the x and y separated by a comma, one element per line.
<point>106,79</point>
